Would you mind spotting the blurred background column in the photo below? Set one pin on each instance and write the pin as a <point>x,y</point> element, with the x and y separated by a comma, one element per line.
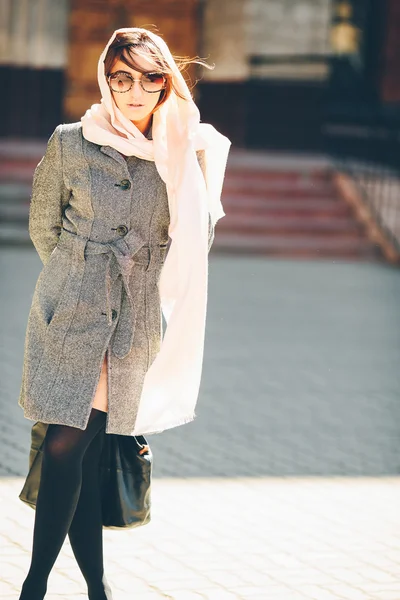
<point>288,55</point>
<point>356,39</point>
<point>222,92</point>
<point>362,105</point>
<point>272,69</point>
<point>33,46</point>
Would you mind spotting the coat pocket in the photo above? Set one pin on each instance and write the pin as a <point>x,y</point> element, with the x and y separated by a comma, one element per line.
<point>51,284</point>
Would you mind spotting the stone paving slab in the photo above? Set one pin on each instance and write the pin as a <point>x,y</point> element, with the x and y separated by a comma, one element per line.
<point>286,538</point>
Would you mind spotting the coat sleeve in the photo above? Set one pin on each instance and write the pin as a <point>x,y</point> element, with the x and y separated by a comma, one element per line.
<point>49,198</point>
<point>202,162</point>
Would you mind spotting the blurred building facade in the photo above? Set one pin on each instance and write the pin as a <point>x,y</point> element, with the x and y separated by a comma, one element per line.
<point>283,67</point>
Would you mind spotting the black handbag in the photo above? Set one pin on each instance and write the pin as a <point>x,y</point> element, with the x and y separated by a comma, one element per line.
<point>125,477</point>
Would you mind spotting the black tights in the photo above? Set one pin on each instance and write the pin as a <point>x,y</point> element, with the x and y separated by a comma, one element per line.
<point>69,502</point>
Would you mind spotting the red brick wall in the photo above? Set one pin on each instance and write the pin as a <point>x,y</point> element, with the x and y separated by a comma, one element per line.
<point>91,25</point>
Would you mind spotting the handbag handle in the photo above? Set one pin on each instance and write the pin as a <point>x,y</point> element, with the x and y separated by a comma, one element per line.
<point>144,448</point>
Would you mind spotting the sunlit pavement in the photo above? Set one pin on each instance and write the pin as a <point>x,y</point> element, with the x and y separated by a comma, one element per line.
<point>286,485</point>
<point>285,538</point>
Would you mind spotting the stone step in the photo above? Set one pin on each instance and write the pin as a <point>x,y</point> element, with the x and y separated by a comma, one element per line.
<point>17,171</point>
<point>296,245</point>
<point>15,192</point>
<point>16,212</point>
<point>14,234</point>
<point>273,206</point>
<point>239,203</point>
<point>289,224</point>
<point>299,193</point>
<point>278,173</point>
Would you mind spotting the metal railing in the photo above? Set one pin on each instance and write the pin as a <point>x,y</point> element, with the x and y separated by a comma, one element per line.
<point>370,156</point>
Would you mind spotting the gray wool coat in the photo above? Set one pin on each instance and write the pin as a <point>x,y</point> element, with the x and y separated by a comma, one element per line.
<point>92,211</point>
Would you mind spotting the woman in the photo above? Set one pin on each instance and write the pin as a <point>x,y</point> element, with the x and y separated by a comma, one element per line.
<point>122,216</point>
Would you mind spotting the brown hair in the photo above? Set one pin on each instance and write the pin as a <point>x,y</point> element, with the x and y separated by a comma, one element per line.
<point>126,45</point>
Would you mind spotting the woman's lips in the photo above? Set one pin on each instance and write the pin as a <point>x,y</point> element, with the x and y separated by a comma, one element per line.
<point>135,105</point>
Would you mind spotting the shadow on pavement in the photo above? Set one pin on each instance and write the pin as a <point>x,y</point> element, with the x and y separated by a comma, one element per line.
<point>301,371</point>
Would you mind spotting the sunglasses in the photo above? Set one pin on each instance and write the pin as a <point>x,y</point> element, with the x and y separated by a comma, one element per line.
<point>121,82</point>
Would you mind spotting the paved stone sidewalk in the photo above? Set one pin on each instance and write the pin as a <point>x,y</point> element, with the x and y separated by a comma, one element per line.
<point>286,486</point>
<point>301,368</point>
<point>227,539</point>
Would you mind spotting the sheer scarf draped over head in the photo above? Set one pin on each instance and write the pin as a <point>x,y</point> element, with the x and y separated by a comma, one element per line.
<point>171,385</point>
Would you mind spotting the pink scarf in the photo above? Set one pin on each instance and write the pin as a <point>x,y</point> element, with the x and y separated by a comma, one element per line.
<point>171,385</point>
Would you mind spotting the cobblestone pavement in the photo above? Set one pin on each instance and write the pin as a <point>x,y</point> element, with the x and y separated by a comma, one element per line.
<point>286,486</point>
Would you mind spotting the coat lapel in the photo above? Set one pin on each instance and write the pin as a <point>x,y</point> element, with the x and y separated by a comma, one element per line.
<point>113,153</point>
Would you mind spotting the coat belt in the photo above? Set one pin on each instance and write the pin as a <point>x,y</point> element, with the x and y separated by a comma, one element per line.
<point>122,254</point>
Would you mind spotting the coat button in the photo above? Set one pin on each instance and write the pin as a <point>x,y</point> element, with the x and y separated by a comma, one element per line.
<point>125,184</point>
<point>122,230</point>
<point>114,314</point>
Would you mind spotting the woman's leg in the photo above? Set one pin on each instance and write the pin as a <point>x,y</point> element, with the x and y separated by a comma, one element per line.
<point>86,530</point>
<point>59,490</point>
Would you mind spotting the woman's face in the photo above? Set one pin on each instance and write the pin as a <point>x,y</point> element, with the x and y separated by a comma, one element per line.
<point>136,104</point>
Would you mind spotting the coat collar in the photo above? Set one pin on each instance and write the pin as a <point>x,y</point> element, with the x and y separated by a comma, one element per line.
<point>110,151</point>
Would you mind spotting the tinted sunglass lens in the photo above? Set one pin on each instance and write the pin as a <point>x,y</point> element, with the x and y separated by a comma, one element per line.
<point>120,83</point>
<point>153,82</point>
